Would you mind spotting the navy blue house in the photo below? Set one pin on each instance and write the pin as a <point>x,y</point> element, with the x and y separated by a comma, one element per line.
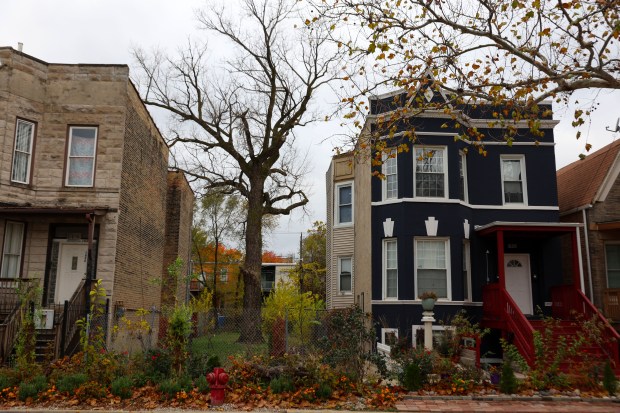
<point>474,220</point>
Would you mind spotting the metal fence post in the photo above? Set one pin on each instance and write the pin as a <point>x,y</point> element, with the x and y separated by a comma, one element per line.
<point>63,337</point>
<point>286,330</point>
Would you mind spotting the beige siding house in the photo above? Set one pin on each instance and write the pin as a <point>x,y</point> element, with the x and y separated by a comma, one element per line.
<point>348,233</point>
<point>85,191</point>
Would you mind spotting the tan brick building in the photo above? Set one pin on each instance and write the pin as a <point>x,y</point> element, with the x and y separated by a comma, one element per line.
<point>85,187</point>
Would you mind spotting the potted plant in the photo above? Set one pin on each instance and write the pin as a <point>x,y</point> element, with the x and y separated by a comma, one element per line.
<point>428,300</point>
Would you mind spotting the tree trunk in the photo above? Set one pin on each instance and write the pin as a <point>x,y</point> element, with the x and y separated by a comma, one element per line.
<point>251,320</point>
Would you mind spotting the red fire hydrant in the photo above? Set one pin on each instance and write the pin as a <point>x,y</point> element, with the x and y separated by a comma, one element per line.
<point>217,382</point>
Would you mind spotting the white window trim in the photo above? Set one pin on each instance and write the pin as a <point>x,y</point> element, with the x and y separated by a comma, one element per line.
<point>92,172</point>
<point>521,159</point>
<point>384,270</point>
<point>467,252</point>
<point>606,267</point>
<point>224,275</point>
<point>448,265</point>
<point>446,193</point>
<point>340,291</point>
<point>463,158</point>
<point>337,187</point>
<point>384,331</point>
<point>384,170</point>
<point>29,166</point>
<point>21,247</point>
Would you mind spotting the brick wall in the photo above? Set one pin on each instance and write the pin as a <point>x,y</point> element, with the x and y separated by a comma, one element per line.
<point>142,208</point>
<point>179,207</point>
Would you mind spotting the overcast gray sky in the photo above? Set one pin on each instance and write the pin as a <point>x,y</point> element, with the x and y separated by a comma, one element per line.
<point>98,31</point>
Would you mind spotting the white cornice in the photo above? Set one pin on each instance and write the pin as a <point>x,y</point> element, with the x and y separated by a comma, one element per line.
<point>608,181</point>
<point>468,205</point>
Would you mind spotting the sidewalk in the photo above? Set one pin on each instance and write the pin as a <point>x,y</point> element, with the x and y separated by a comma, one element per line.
<point>426,405</point>
<point>507,404</point>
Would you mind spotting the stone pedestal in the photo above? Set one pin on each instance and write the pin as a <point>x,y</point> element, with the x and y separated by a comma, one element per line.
<point>428,320</point>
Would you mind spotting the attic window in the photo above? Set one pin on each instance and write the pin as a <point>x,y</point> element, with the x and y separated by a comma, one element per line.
<point>428,94</point>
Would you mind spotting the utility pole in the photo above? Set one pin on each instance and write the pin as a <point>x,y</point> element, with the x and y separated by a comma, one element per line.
<point>301,267</point>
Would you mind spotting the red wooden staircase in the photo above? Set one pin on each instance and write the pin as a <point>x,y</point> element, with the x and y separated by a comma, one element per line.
<point>570,308</point>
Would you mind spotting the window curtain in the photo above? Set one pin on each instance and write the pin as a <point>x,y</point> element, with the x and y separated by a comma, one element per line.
<point>82,156</point>
<point>11,259</point>
<point>345,274</point>
<point>391,269</point>
<point>432,271</point>
<point>23,149</point>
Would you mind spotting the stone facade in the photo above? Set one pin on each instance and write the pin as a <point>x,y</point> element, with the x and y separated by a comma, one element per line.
<point>142,216</point>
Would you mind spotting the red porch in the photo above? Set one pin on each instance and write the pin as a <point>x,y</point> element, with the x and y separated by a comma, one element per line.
<point>505,303</point>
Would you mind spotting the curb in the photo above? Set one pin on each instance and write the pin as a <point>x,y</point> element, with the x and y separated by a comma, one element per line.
<point>505,398</point>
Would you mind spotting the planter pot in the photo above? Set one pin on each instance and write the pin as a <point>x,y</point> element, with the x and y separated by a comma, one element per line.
<point>495,378</point>
<point>428,304</point>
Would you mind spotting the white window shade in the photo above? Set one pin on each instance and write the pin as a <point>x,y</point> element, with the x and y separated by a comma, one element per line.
<point>431,268</point>
<point>12,251</point>
<point>22,156</point>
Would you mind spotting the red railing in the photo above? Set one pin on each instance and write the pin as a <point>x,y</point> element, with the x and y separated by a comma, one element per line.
<point>499,305</point>
<point>568,301</point>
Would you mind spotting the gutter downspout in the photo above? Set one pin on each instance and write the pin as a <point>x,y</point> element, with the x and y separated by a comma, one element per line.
<point>587,243</point>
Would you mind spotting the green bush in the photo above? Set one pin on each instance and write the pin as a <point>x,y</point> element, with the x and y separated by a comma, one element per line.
<point>324,391</point>
<point>201,364</point>
<point>281,385</point>
<point>122,387</point>
<point>610,382</point>
<point>139,379</point>
<point>186,383</point>
<point>412,377</point>
<point>157,364</point>
<point>169,388</point>
<point>202,384</point>
<point>71,382</point>
<point>32,388</point>
<point>8,380</point>
<point>508,381</point>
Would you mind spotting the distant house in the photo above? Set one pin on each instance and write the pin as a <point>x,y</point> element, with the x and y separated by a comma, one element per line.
<point>589,193</point>
<point>482,232</point>
<point>271,273</point>
<point>85,194</point>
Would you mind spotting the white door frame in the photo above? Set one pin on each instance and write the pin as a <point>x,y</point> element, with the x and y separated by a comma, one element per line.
<point>59,275</point>
<point>526,258</point>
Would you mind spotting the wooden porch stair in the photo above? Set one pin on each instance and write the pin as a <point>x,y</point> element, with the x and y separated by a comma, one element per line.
<point>569,306</point>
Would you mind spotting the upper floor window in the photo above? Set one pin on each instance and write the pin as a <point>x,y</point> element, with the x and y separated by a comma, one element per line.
<point>430,172</point>
<point>390,172</point>
<point>513,180</point>
<point>390,269</point>
<point>345,275</point>
<point>344,203</point>
<point>81,156</point>
<point>12,250</point>
<point>432,267</point>
<point>463,177</point>
<point>612,261</point>
<point>22,155</point>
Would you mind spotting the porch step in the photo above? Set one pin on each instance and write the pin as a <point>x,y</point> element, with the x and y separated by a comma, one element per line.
<point>46,340</point>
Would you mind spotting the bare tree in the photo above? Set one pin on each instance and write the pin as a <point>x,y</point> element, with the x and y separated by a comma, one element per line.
<point>236,128</point>
<point>491,52</point>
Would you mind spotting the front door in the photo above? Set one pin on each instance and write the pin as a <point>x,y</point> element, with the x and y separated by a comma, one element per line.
<point>518,281</point>
<point>71,269</point>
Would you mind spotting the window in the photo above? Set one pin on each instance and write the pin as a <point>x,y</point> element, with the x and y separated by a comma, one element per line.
<point>466,271</point>
<point>430,172</point>
<point>612,258</point>
<point>224,275</point>
<point>389,336</point>
<point>431,267</point>
<point>344,203</point>
<point>345,275</point>
<point>390,270</point>
<point>12,251</point>
<point>463,196</point>
<point>81,156</point>
<point>390,171</point>
<point>513,180</point>
<point>22,155</point>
